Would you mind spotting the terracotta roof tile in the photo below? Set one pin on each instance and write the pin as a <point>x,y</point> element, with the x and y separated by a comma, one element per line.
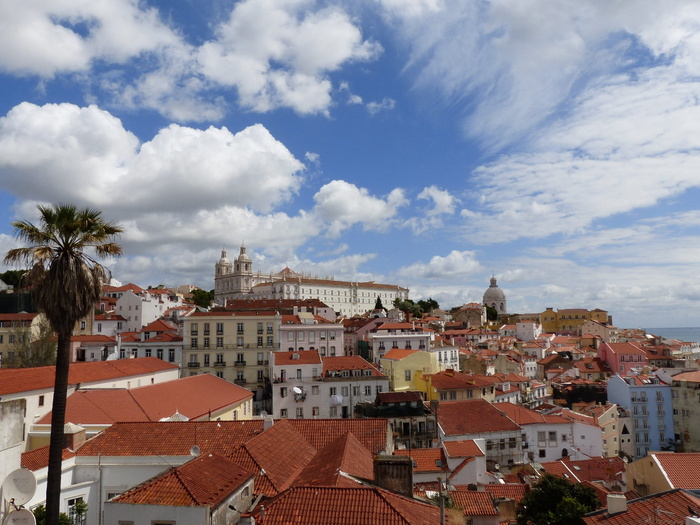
<point>346,506</point>
<point>171,438</point>
<point>193,397</point>
<point>426,459</point>
<point>682,469</point>
<point>345,454</point>
<point>304,357</point>
<point>474,503</point>
<point>371,432</point>
<point>466,448</point>
<point>13,380</point>
<point>671,506</point>
<point>472,417</point>
<point>399,353</point>
<point>207,480</point>
<point>514,491</point>
<point>39,458</point>
<point>349,362</point>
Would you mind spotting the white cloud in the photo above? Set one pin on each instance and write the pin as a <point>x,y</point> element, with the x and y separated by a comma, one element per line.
<point>455,266</point>
<point>443,201</point>
<point>343,204</point>
<point>47,37</point>
<point>278,53</point>
<point>386,104</point>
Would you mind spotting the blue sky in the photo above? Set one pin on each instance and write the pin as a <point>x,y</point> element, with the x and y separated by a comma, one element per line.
<point>428,143</point>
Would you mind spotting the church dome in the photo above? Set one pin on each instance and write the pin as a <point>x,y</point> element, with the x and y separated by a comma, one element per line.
<point>495,297</point>
<point>224,259</point>
<point>243,255</point>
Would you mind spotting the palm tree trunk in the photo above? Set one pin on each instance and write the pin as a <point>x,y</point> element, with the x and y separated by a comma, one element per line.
<point>58,440</point>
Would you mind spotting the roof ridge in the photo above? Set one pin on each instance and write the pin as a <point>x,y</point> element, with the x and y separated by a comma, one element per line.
<point>381,494</point>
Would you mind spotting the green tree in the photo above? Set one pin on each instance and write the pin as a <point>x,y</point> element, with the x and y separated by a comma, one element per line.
<point>202,297</point>
<point>29,349</point>
<point>556,501</point>
<point>378,305</point>
<point>491,313</point>
<point>66,283</point>
<point>40,516</point>
<point>12,277</point>
<point>429,305</point>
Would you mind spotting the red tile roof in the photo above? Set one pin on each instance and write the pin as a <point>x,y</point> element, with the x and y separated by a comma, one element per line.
<point>171,438</point>
<point>399,397</point>
<point>304,357</point>
<point>344,455</point>
<point>399,353</point>
<point>525,416</point>
<point>472,417</point>
<point>14,380</point>
<point>682,469</point>
<point>346,506</point>
<point>426,459</point>
<point>349,362</point>
<point>474,503</point>
<point>206,481</point>
<point>373,433</point>
<point>466,448</point>
<point>669,507</point>
<point>39,458</point>
<point>194,397</point>
<point>514,491</point>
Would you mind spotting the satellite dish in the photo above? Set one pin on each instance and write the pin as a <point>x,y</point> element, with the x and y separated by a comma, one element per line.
<point>19,485</point>
<point>20,517</point>
<point>336,400</point>
<point>263,413</point>
<point>296,390</point>
<point>195,451</point>
<point>496,466</point>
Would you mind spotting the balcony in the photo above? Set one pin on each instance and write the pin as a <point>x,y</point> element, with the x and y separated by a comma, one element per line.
<point>220,363</point>
<point>239,363</point>
<point>193,364</point>
<point>240,381</point>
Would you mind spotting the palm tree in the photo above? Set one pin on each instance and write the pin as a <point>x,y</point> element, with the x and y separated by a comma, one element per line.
<point>66,284</point>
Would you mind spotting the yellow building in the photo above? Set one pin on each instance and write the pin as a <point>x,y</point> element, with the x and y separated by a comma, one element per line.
<point>15,326</point>
<point>404,368</point>
<point>231,345</point>
<point>570,320</point>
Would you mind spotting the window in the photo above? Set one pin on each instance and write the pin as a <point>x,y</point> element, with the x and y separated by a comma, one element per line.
<point>543,453</point>
<point>194,330</point>
<point>443,396</point>
<point>194,343</point>
<point>41,401</point>
<point>283,413</point>
<point>159,353</point>
<point>300,413</point>
<point>261,376</point>
<point>453,395</point>
<point>315,411</point>
<point>206,359</point>
<point>334,411</point>
<point>219,342</point>
<point>260,341</point>
<point>11,339</point>
<point>407,375</point>
<point>171,355</point>
<point>206,342</point>
<point>283,391</point>
<point>379,389</point>
<point>368,390</point>
<point>220,374</point>
<point>206,328</point>
<point>333,390</point>
<point>270,341</point>
<point>239,342</point>
<point>82,325</point>
<point>314,390</point>
<point>220,328</point>
<point>148,352</point>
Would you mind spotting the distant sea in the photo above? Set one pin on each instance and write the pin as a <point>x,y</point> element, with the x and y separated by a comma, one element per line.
<point>690,335</point>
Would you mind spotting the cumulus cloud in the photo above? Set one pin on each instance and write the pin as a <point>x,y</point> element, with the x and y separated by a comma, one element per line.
<point>186,187</point>
<point>443,201</point>
<point>46,38</point>
<point>273,53</point>
<point>386,104</point>
<point>455,266</point>
<point>278,53</point>
<point>343,204</point>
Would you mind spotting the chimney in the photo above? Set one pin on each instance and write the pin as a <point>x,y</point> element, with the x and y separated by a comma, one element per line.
<point>394,473</point>
<point>617,503</point>
<point>74,435</point>
<point>268,422</point>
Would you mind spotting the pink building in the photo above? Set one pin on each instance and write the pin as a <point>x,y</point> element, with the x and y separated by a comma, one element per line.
<point>623,358</point>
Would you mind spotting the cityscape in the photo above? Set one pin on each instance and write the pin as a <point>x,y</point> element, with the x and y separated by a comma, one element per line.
<point>285,394</point>
<point>349,263</point>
